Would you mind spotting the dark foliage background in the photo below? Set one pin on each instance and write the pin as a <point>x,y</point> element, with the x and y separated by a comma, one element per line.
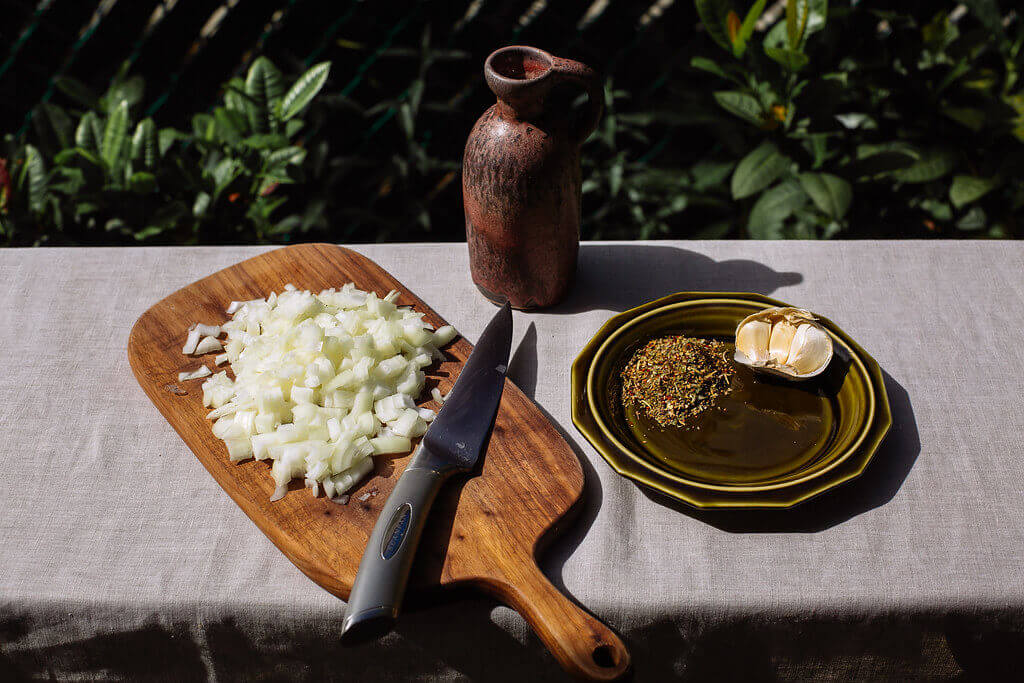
<point>857,119</point>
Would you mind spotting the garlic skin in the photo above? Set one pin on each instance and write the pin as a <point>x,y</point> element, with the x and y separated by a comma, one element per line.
<point>786,342</point>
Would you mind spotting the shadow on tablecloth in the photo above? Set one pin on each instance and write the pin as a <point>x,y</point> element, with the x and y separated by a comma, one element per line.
<point>476,640</point>
<point>617,277</point>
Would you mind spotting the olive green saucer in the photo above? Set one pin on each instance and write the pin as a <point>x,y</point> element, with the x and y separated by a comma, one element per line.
<point>770,444</point>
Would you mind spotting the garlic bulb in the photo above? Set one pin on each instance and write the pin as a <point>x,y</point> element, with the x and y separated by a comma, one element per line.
<point>788,342</point>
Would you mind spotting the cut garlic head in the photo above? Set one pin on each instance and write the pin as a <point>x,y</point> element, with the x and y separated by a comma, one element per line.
<point>788,342</point>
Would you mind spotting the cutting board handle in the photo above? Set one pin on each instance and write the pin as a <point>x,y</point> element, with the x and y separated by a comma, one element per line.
<point>586,648</point>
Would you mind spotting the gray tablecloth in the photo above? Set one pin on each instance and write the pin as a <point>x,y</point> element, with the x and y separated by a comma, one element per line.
<point>121,558</point>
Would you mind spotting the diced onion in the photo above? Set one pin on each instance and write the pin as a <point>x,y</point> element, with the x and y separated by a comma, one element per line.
<point>322,382</point>
<point>191,342</point>
<point>201,371</point>
<point>444,335</point>
<point>435,394</point>
<point>208,330</point>
<point>207,345</point>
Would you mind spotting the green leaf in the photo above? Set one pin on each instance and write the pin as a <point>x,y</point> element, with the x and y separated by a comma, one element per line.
<point>283,157</point>
<point>933,163</point>
<point>271,76</point>
<point>975,219</point>
<point>304,90</point>
<point>758,170</point>
<point>263,84</point>
<point>201,204</point>
<point>144,144</point>
<point>790,60</point>
<point>77,91</point>
<point>739,46</point>
<point>712,15</point>
<point>85,134</point>
<point>142,182</point>
<point>129,90</point>
<point>204,127</point>
<point>709,173</point>
<point>53,126</point>
<point>705,64</point>
<point>796,15</point>
<point>773,207</point>
<point>166,138</point>
<point>830,193</point>
<point>225,173</point>
<point>803,18</point>
<point>272,141</point>
<point>966,189</point>
<point>115,224</point>
<point>33,178</point>
<point>231,125</point>
<point>234,96</point>
<point>854,120</point>
<point>68,154</point>
<point>875,160</point>
<point>817,16</point>
<point>73,180</point>
<point>939,210</point>
<point>114,135</point>
<point>147,232</point>
<point>969,117</point>
<point>745,106</point>
<point>292,128</point>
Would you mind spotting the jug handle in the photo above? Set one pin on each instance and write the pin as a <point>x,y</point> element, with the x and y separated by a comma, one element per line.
<point>582,75</point>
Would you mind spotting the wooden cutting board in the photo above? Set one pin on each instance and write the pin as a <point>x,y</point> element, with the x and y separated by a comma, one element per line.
<point>484,532</point>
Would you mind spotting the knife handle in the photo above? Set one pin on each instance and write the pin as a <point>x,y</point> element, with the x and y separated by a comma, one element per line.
<point>383,573</point>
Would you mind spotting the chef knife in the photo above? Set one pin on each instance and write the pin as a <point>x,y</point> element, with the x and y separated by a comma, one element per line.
<point>453,443</point>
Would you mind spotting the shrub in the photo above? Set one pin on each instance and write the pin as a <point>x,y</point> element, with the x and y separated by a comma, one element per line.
<point>829,121</point>
<point>96,170</point>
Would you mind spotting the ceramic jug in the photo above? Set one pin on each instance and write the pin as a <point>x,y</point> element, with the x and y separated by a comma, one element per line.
<point>521,176</point>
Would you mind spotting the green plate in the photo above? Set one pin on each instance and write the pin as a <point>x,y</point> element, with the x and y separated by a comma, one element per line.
<point>771,443</point>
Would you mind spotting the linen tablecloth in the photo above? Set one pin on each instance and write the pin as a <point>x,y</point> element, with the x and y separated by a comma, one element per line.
<point>120,558</point>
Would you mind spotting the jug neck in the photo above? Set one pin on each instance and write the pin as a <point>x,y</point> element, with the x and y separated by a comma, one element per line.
<point>520,77</point>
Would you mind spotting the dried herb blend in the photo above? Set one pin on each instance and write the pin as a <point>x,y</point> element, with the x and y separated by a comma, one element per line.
<point>675,378</point>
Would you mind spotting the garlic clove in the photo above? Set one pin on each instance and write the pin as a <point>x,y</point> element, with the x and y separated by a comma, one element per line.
<point>811,349</point>
<point>752,340</point>
<point>781,341</point>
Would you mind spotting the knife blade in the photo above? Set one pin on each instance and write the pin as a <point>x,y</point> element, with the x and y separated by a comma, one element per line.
<point>453,444</point>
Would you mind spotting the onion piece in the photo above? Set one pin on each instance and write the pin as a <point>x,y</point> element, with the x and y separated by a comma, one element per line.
<point>207,345</point>
<point>444,335</point>
<point>234,306</point>
<point>201,371</point>
<point>191,342</point>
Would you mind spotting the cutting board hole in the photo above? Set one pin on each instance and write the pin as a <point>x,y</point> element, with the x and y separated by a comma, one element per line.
<point>603,656</point>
